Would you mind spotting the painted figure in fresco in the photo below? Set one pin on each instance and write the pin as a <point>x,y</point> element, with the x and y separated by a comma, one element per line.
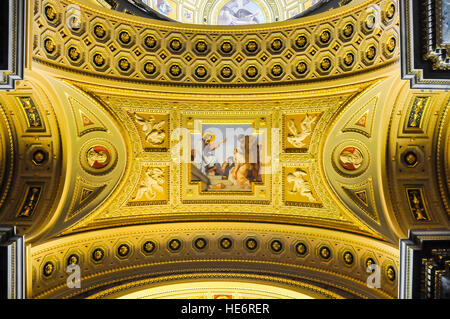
<point>246,159</point>
<point>238,12</point>
<point>154,132</point>
<point>163,7</point>
<point>210,163</point>
<point>301,186</point>
<point>420,213</point>
<point>227,166</point>
<point>98,157</point>
<point>152,183</point>
<point>297,137</point>
<point>351,158</point>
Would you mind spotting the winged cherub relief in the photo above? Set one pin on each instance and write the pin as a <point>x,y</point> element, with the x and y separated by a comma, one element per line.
<point>151,184</point>
<point>154,131</point>
<point>296,137</point>
<point>300,185</point>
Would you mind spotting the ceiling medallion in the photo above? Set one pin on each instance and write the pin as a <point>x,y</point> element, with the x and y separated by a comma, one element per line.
<point>301,41</point>
<point>150,68</point>
<point>325,64</point>
<point>123,250</point>
<point>390,12</point>
<point>175,70</point>
<point>349,58</point>
<point>391,44</point>
<point>98,60</point>
<point>348,258</point>
<point>348,30</point>
<point>124,64</point>
<point>370,261</point>
<point>370,21</point>
<point>201,46</point>
<point>98,254</point>
<point>302,67</point>
<point>124,37</point>
<point>325,36</point>
<point>75,23</point>
<point>98,157</point>
<point>200,243</point>
<point>226,72</point>
<point>410,158</point>
<point>371,52</point>
<point>73,260</point>
<point>48,269</point>
<point>149,246</point>
<point>226,47</point>
<point>390,273</point>
<point>277,70</point>
<point>351,158</point>
<point>276,246</point>
<point>325,252</point>
<point>99,31</point>
<point>276,45</point>
<point>174,244</point>
<point>39,157</point>
<point>251,244</point>
<point>49,45</point>
<point>201,71</point>
<point>226,243</point>
<point>73,53</point>
<point>175,44</point>
<point>252,46</point>
<point>251,71</point>
<point>50,13</point>
<point>150,42</point>
<point>301,249</point>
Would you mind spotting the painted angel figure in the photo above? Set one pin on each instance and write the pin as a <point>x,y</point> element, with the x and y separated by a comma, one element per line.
<point>154,132</point>
<point>297,137</point>
<point>300,185</point>
<point>151,184</point>
<point>163,7</point>
<point>238,12</point>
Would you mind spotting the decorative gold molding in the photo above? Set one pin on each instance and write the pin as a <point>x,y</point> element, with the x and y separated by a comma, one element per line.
<point>178,66</point>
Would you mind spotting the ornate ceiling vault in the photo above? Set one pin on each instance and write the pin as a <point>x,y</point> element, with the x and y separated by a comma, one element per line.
<point>331,158</point>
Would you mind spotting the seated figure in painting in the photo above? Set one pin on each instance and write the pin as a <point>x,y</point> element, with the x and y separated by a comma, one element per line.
<point>246,158</point>
<point>227,166</point>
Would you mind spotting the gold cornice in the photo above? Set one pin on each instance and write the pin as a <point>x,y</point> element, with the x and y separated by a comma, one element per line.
<point>224,282</point>
<point>181,27</point>
<point>272,279</point>
<point>277,93</point>
<point>187,59</point>
<point>186,232</point>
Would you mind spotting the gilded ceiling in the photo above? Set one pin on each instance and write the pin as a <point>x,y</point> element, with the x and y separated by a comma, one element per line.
<point>314,154</point>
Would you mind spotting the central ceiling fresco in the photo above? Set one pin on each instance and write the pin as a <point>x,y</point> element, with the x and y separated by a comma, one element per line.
<point>226,12</point>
